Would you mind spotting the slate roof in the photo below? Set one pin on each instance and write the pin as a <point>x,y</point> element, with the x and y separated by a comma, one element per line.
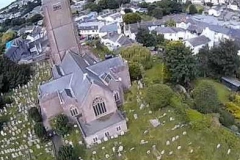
<point>110,28</point>
<point>77,74</point>
<point>103,122</point>
<point>163,30</point>
<point>200,40</point>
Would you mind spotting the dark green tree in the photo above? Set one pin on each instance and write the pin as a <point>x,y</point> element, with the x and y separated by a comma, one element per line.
<point>226,118</point>
<point>202,59</point>
<point>61,124</point>
<point>170,23</point>
<point>180,63</point>
<point>130,18</point>
<point>192,9</point>
<point>135,71</point>
<point>157,13</point>
<point>128,10</point>
<point>206,98</point>
<point>143,36</point>
<point>35,18</point>
<point>223,59</point>
<point>34,114</point>
<point>40,131</point>
<point>158,96</point>
<point>67,153</point>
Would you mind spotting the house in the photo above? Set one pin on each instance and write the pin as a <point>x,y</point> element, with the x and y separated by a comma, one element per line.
<point>17,50</point>
<point>215,11</point>
<point>110,28</point>
<point>111,17</point>
<point>197,43</point>
<point>114,41</point>
<point>84,89</point>
<point>173,33</point>
<point>216,33</point>
<point>196,1</point>
<point>90,28</point>
<point>88,92</point>
<point>231,83</point>
<point>88,17</point>
<point>233,6</point>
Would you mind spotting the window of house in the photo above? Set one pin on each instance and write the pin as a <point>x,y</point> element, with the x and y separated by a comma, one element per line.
<point>74,111</point>
<point>95,139</point>
<point>106,77</point>
<point>99,106</point>
<point>118,128</point>
<point>116,96</point>
<point>107,134</point>
<point>57,6</point>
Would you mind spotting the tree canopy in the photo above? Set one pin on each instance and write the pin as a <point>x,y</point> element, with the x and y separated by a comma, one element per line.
<point>158,96</point>
<point>180,63</point>
<point>130,18</point>
<point>192,9</point>
<point>135,71</point>
<point>221,60</point>
<point>205,98</point>
<point>40,131</point>
<point>8,36</point>
<point>34,114</point>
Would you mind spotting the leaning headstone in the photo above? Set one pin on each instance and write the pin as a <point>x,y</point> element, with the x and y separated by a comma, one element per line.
<point>218,146</point>
<point>135,116</point>
<point>154,122</point>
<point>229,150</point>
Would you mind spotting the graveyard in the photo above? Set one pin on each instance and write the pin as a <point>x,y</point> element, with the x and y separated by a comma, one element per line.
<point>17,139</point>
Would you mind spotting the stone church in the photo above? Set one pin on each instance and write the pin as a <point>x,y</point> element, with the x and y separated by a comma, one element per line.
<point>88,91</point>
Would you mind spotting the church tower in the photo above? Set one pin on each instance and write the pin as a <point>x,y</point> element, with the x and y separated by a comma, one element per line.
<point>61,30</point>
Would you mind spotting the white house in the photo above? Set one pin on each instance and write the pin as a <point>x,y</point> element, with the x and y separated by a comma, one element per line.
<point>197,43</point>
<point>183,25</point>
<point>111,17</point>
<point>233,6</point>
<point>114,41</point>
<point>174,34</point>
<point>215,11</point>
<point>90,28</point>
<point>215,33</point>
<point>196,1</point>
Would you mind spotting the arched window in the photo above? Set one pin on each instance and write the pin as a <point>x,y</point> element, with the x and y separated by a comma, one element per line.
<point>116,96</point>
<point>74,111</point>
<point>99,106</point>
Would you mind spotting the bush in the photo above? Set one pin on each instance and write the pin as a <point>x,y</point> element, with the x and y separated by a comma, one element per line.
<point>226,118</point>
<point>205,98</point>
<point>67,153</point>
<point>34,114</point>
<point>192,9</point>
<point>40,131</point>
<point>130,18</point>
<point>158,96</point>
<point>234,109</point>
<point>61,124</point>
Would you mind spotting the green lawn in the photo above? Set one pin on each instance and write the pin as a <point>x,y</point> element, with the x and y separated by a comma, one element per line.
<point>154,74</point>
<point>222,91</point>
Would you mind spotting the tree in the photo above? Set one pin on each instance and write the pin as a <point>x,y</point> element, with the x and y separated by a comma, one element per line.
<point>206,98</point>
<point>192,9</point>
<point>130,18</point>
<point>8,36</point>
<point>40,131</point>
<point>34,114</point>
<point>136,53</point>
<point>61,124</point>
<point>180,63</point>
<point>108,4</point>
<point>202,61</point>
<point>158,96</point>
<point>157,13</point>
<point>135,71</point>
<point>223,59</point>
<point>93,7</point>
<point>35,18</point>
<point>170,23</point>
<point>143,36</point>
<point>67,153</point>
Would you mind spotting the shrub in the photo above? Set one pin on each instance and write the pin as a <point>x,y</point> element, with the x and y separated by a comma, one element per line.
<point>34,114</point>
<point>135,71</point>
<point>234,109</point>
<point>61,124</point>
<point>205,98</point>
<point>67,153</point>
<point>158,96</point>
<point>197,120</point>
<point>40,131</point>
<point>226,118</point>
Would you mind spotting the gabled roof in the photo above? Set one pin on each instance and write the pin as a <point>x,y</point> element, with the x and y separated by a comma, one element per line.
<point>197,41</point>
<point>163,30</point>
<point>110,28</point>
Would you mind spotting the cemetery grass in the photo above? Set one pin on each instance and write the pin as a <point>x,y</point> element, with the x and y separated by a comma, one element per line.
<point>202,143</point>
<point>34,149</point>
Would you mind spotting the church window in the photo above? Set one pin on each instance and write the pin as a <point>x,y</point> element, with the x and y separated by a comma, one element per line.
<point>57,7</point>
<point>116,96</point>
<point>99,106</point>
<point>74,111</point>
